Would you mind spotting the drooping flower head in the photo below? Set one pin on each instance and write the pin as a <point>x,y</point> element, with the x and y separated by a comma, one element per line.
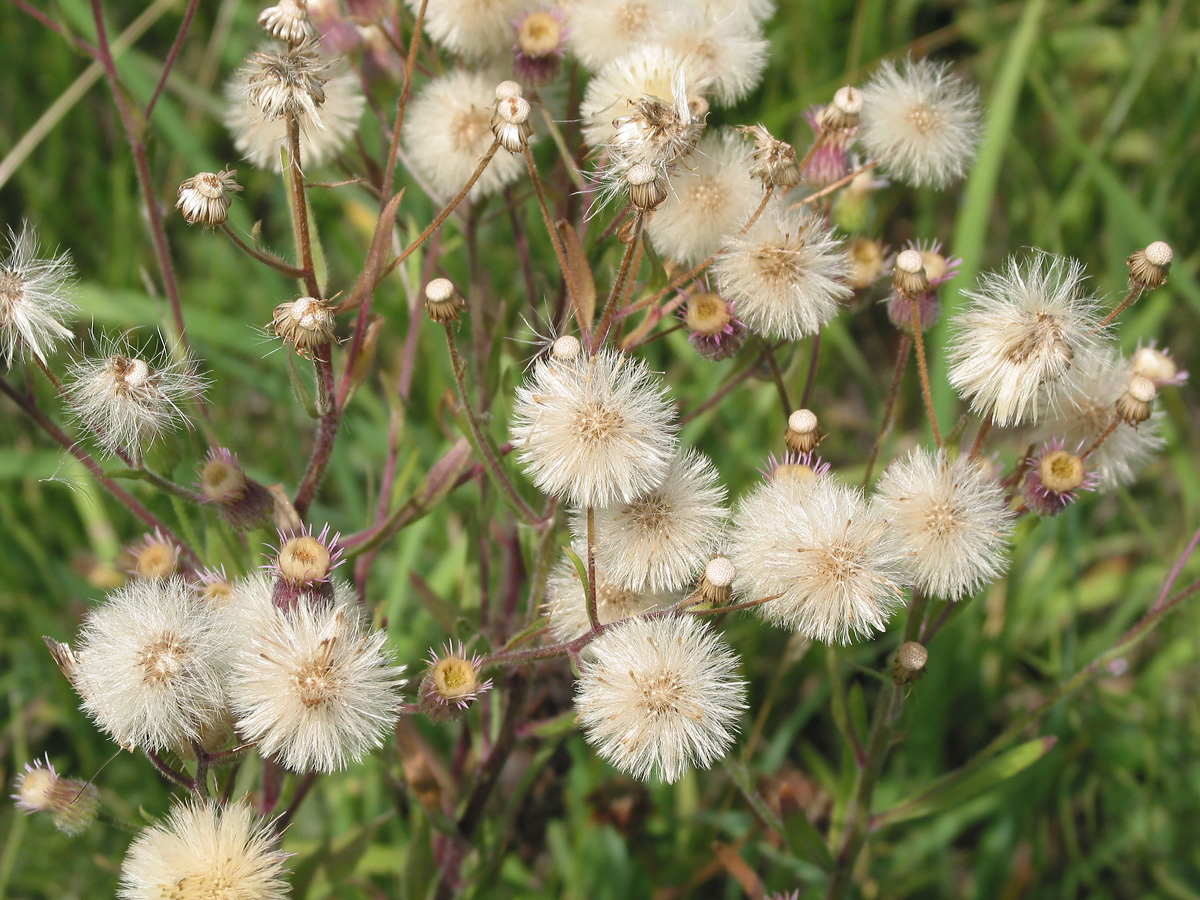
<point>822,553</point>
<point>920,121</point>
<point>950,518</point>
<point>35,297</point>
<point>72,804</point>
<point>244,503</point>
<point>1025,327</point>
<point>595,430</point>
<point>205,197</point>
<point>658,696</point>
<point>201,851</point>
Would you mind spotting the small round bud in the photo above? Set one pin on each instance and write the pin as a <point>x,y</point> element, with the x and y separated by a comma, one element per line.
<point>1136,402</point>
<point>1148,268</point>
<point>510,123</point>
<point>443,302</point>
<point>716,584</point>
<point>707,314</point>
<point>452,685</point>
<point>221,480</point>
<point>803,433</point>
<point>204,198</point>
<point>539,34</point>
<point>909,665</point>
<point>288,21</point>
<point>647,186</point>
<point>306,324</point>
<point>566,348</point>
<point>843,112</point>
<point>507,90</point>
<point>909,276</point>
<point>73,805</point>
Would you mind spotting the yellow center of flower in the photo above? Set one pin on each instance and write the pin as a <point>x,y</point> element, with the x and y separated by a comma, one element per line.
<point>163,660</point>
<point>455,678</point>
<point>157,560</point>
<point>707,314</point>
<point>539,34</point>
<point>596,423</point>
<point>316,682</point>
<point>792,472</point>
<point>222,482</point>
<point>1061,471</point>
<point>303,560</point>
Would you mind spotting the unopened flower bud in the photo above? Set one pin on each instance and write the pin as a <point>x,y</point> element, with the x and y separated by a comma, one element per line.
<point>452,685</point>
<point>306,324</point>
<point>909,665</point>
<point>716,584</point>
<point>647,186</point>
<point>843,112</point>
<point>205,197</point>
<point>72,805</point>
<point>909,276</point>
<point>443,302</point>
<point>716,332</point>
<point>244,504</point>
<point>1148,268</point>
<point>1136,401</point>
<point>803,433</point>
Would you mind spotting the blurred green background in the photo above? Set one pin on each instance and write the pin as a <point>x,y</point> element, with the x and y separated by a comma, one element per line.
<point>1093,128</point>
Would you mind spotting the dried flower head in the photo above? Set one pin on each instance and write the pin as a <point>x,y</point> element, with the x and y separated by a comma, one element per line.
<point>35,297</point>
<point>443,302</point>
<point>920,121</point>
<point>1157,365</point>
<point>152,665</point>
<point>72,805</point>
<point>843,111</point>
<point>830,160</point>
<point>510,122</point>
<point>264,141</point>
<point>640,106</point>
<point>786,273</point>
<point>1136,402</point>
<point>660,540</point>
<point>287,84</point>
<point>774,161</point>
<point>448,131</point>
<point>566,600</point>
<point>312,685</point>
<point>1025,327</point>
<point>306,324</point>
<point>203,851</point>
<point>659,696</point>
<point>951,520</point>
<point>244,503</point>
<point>1149,267</point>
<point>909,664</point>
<point>822,553</point>
<point>1055,477</point>
<point>714,329</point>
<point>597,431</point>
<point>706,201</point>
<point>540,44</point>
<point>129,398</point>
<point>288,21</point>
<point>205,197</point>
<point>452,683</point>
<point>803,434</point>
<point>716,584</point>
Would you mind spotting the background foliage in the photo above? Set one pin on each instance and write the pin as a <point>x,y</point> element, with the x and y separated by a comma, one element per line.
<point>1093,125</point>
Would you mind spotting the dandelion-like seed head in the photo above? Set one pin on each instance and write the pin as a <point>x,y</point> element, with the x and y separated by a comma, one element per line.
<point>288,21</point>
<point>596,431</point>
<point>642,107</point>
<point>73,805</point>
<point>951,520</point>
<point>1023,330</point>
<point>452,683</point>
<point>825,557</point>
<point>478,29</point>
<point>205,197</point>
<point>152,663</point>
<point>203,851</point>
<point>601,31</point>
<point>726,53</point>
<point>920,121</point>
<point>661,695</point>
<point>35,297</point>
<point>786,273</point>
<point>286,84</point>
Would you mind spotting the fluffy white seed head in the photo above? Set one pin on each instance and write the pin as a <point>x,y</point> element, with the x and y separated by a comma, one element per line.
<point>129,398</point>
<point>479,29</point>
<point>260,139</point>
<point>448,130</point>
<point>601,31</point>
<point>596,431</point>
<point>661,540</point>
<point>1085,410</point>
<point>650,70</point>
<point>1022,331</point>
<point>203,851</point>
<point>822,552</point>
<point>152,665</point>
<point>950,519</point>
<point>313,686</point>
<point>726,53</point>
<point>659,696</point>
<point>787,273</point>
<point>920,121</point>
<point>707,201</point>
<point>36,297</point>
<point>566,600</point>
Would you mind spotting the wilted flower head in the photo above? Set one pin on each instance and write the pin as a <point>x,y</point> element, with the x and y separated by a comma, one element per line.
<point>786,273</point>
<point>72,804</point>
<point>452,683</point>
<point>129,398</point>
<point>201,851</point>
<point>831,160</point>
<point>824,555</point>
<point>774,161</point>
<point>658,696</point>
<point>311,684</point>
<point>566,600</point>
<point>35,297</point>
<point>1054,478</point>
<point>152,665</point>
<point>1149,267</point>
<point>448,131</point>
<point>1023,330</point>
<point>950,518</point>
<point>205,197</point>
<point>920,121</point>
<point>640,107</point>
<point>934,270</point>
<point>803,433</point>
<point>261,139</point>
<point>288,21</point>
<point>596,430</point>
<point>510,118</point>
<point>661,540</point>
<point>306,324</point>
<point>706,201</point>
<point>284,84</point>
